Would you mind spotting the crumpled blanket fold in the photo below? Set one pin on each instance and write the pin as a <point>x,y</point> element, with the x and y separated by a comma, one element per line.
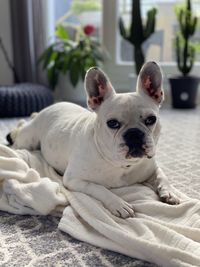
<point>160,233</point>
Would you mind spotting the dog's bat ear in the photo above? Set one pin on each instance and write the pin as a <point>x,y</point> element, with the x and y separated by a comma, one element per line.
<point>150,82</point>
<point>98,87</point>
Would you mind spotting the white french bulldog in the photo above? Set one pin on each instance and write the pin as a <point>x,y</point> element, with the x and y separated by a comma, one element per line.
<point>113,146</point>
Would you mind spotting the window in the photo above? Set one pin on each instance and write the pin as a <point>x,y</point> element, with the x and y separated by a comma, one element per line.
<point>160,44</point>
<point>75,13</point>
<point>104,15</point>
<point>159,47</point>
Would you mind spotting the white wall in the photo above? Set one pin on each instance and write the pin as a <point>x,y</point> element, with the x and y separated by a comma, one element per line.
<point>6,76</point>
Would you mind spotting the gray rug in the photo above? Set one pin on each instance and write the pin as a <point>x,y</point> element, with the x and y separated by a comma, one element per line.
<point>36,241</point>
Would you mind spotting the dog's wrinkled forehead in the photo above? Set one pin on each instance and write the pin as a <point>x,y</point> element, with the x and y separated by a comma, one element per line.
<point>127,107</point>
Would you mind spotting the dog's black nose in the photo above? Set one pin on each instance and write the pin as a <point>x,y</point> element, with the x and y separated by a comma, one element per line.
<point>134,139</point>
<point>134,136</point>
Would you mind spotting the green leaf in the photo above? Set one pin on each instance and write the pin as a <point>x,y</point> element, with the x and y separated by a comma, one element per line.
<point>74,73</point>
<point>46,56</point>
<point>98,55</point>
<point>66,63</point>
<point>59,62</point>
<point>53,74</point>
<point>83,72</point>
<point>82,68</point>
<point>90,62</point>
<point>61,32</point>
<point>79,6</point>
<point>53,57</point>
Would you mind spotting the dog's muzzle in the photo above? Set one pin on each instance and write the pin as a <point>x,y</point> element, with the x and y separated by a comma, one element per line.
<point>135,140</point>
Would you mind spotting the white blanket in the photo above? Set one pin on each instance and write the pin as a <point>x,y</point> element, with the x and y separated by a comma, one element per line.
<point>160,233</point>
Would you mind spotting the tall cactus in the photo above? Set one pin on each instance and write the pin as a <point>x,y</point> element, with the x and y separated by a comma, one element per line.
<point>138,33</point>
<point>185,50</point>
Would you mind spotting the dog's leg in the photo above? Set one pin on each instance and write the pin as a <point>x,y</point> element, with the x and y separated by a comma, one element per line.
<point>112,202</point>
<point>160,184</point>
<point>24,136</point>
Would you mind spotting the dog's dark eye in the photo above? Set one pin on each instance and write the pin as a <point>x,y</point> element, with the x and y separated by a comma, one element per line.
<point>150,120</point>
<point>113,124</point>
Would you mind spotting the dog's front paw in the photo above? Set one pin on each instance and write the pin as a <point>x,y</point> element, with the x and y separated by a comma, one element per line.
<point>170,198</point>
<point>167,196</point>
<point>121,209</point>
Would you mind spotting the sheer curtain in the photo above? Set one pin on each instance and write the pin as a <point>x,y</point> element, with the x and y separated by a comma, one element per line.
<point>29,21</point>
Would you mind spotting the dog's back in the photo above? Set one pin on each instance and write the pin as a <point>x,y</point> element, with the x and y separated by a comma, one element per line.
<point>52,131</point>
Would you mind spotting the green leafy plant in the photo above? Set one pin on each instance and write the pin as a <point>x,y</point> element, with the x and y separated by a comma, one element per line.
<point>71,57</point>
<point>138,33</point>
<point>185,48</point>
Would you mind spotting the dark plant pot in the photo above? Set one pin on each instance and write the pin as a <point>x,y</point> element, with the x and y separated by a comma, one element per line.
<point>184,91</point>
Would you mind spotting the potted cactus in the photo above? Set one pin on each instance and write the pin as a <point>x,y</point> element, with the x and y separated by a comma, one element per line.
<point>184,87</point>
<point>139,32</point>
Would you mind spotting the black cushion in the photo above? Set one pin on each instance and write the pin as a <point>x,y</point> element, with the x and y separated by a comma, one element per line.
<point>21,100</point>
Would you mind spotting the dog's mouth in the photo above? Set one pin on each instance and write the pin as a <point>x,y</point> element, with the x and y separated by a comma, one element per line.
<point>142,152</point>
<point>132,152</point>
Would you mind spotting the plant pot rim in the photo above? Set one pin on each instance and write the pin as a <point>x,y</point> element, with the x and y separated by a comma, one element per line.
<point>181,77</point>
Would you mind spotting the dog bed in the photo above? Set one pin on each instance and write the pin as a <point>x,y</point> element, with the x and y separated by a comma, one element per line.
<point>35,240</point>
